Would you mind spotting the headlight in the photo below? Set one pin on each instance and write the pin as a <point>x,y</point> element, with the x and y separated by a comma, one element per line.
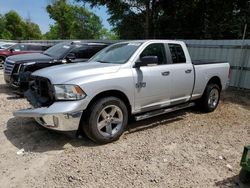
<point>68,92</point>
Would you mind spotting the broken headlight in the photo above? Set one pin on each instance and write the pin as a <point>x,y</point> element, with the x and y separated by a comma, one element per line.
<point>68,92</point>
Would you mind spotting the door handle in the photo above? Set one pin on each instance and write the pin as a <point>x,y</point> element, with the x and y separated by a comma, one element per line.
<point>188,71</point>
<point>165,73</point>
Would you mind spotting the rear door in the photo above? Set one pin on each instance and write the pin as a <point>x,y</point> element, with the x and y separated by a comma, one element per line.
<point>19,49</point>
<point>182,75</point>
<point>152,83</point>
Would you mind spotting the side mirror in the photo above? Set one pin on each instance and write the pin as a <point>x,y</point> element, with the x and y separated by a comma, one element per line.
<point>146,60</point>
<point>71,56</point>
<point>12,50</point>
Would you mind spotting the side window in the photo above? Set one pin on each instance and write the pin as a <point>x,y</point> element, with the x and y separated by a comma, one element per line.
<point>155,50</point>
<point>35,47</point>
<point>81,52</point>
<point>20,47</point>
<point>177,53</point>
<point>97,49</point>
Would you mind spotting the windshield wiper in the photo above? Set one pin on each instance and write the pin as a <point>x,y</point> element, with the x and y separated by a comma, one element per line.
<point>46,54</point>
<point>103,61</point>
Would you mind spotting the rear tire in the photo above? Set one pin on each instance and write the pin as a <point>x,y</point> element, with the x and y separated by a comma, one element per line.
<point>244,176</point>
<point>105,120</point>
<point>210,99</point>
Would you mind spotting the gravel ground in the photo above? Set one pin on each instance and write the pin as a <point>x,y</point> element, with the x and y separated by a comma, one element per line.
<point>182,149</point>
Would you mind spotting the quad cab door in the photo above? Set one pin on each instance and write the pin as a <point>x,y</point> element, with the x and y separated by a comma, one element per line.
<point>152,82</point>
<point>182,74</point>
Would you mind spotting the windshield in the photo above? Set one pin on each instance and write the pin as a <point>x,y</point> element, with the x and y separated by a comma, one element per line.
<point>5,46</point>
<point>117,53</point>
<point>58,50</point>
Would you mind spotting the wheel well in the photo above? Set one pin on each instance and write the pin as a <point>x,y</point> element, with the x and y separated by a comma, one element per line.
<point>2,56</point>
<point>215,80</point>
<point>113,93</point>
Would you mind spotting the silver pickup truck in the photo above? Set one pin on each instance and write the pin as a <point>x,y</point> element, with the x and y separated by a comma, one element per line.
<point>136,78</point>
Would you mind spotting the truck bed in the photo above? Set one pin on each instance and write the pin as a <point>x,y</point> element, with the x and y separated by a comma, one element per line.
<point>206,61</point>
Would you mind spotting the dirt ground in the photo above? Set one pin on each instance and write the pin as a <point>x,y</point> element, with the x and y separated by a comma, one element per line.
<point>182,149</point>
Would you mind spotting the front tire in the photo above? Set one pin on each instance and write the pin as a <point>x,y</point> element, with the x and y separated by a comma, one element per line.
<point>210,98</point>
<point>106,120</point>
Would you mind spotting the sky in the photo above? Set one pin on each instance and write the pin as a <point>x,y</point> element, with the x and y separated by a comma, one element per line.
<point>36,10</point>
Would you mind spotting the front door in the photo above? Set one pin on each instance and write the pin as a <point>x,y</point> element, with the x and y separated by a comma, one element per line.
<point>152,82</point>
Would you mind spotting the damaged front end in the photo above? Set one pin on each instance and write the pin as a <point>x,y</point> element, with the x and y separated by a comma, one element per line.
<point>20,77</point>
<point>40,93</point>
<point>52,114</point>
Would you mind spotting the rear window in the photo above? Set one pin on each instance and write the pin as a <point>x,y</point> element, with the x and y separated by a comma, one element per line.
<point>35,47</point>
<point>86,52</point>
<point>177,53</point>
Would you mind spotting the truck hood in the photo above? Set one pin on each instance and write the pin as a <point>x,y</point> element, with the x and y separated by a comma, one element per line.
<point>61,74</point>
<point>32,57</point>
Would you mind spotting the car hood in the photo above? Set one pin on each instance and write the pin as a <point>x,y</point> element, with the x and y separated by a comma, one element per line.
<point>22,58</point>
<point>67,72</point>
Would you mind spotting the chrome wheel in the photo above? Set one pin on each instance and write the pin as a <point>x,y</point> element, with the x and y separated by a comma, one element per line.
<point>213,98</point>
<point>110,120</point>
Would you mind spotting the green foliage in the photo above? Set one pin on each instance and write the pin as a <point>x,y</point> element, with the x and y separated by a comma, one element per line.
<point>31,31</point>
<point>108,35</point>
<point>72,22</point>
<point>12,26</point>
<point>186,19</point>
<point>53,33</point>
<point>85,25</point>
<point>61,12</point>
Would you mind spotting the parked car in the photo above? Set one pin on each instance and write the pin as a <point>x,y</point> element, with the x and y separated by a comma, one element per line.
<point>137,78</point>
<point>5,45</point>
<point>21,48</point>
<point>17,69</point>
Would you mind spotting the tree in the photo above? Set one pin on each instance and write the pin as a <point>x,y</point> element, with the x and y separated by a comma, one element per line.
<point>3,32</point>
<point>108,35</point>
<point>177,18</point>
<point>52,34</point>
<point>85,24</point>
<point>31,30</point>
<point>72,22</point>
<point>139,15</point>
<point>12,26</point>
<point>61,12</point>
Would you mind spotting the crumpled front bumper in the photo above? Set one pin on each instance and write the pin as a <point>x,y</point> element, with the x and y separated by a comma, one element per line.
<point>61,116</point>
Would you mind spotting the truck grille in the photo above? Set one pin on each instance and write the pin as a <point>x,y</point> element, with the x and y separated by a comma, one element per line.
<point>8,67</point>
<point>40,92</point>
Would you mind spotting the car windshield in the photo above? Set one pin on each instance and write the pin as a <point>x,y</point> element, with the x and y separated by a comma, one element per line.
<point>5,46</point>
<point>117,53</point>
<point>58,50</point>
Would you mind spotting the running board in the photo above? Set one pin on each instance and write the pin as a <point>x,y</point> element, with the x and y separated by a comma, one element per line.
<point>163,111</point>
